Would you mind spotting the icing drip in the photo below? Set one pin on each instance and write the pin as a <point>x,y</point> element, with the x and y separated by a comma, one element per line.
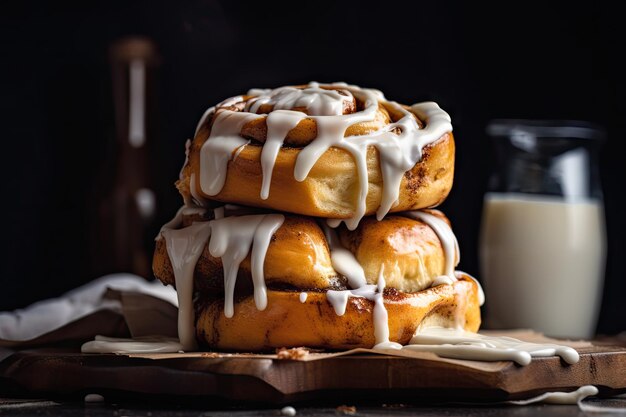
<point>573,397</point>
<point>184,247</point>
<point>211,110</point>
<point>174,223</point>
<point>303,297</point>
<point>448,241</point>
<point>339,301</point>
<point>262,238</point>
<point>219,147</point>
<point>381,318</point>
<point>344,261</point>
<point>317,101</point>
<point>459,344</point>
<point>196,199</point>
<point>230,238</point>
<point>279,123</point>
<point>399,152</point>
<point>330,132</point>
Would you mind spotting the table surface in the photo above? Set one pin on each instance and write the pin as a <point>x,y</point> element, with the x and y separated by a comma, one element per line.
<point>25,407</point>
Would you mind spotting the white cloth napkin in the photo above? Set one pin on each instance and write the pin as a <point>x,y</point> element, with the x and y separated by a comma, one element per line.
<point>132,296</point>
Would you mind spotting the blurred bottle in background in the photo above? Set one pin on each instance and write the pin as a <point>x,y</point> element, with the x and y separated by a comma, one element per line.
<point>126,200</point>
<point>542,243</point>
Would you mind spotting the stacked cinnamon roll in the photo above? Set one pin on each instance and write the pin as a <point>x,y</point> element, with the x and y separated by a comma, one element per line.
<point>308,221</point>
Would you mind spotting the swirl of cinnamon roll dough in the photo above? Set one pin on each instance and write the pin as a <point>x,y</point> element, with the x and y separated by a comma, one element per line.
<point>326,150</point>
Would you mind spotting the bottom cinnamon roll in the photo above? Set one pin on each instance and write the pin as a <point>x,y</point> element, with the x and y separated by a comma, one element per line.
<point>292,320</point>
<point>251,280</point>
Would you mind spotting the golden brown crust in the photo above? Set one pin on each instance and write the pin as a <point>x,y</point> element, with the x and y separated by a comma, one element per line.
<point>331,188</point>
<point>287,322</point>
<point>298,256</point>
<point>409,251</point>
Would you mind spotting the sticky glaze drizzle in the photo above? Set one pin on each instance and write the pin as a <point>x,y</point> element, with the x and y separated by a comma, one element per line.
<point>399,144</point>
<point>229,238</point>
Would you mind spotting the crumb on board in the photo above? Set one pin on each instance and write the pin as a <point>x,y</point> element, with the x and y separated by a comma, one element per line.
<point>346,409</point>
<point>292,353</point>
<point>210,355</point>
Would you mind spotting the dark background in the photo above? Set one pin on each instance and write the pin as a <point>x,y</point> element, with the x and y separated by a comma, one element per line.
<point>513,60</point>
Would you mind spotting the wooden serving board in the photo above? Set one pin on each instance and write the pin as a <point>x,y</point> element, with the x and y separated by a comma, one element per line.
<point>263,378</point>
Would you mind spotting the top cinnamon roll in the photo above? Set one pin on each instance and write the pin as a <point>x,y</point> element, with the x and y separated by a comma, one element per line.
<point>326,150</point>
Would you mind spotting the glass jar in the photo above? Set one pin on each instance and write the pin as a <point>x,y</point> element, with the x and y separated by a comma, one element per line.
<point>542,242</point>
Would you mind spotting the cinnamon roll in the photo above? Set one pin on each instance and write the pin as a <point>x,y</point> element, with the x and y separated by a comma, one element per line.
<point>326,150</point>
<point>308,319</point>
<point>336,278</point>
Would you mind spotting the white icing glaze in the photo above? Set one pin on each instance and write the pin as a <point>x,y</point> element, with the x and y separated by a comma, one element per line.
<point>103,344</point>
<point>196,199</point>
<point>231,240</point>
<point>448,242</point>
<point>218,149</point>
<point>339,301</point>
<point>239,150</point>
<point>572,397</point>
<point>303,297</point>
<point>381,318</point>
<point>261,241</point>
<point>334,223</point>
<point>460,344</point>
<point>442,280</point>
<point>184,247</point>
<point>344,261</point>
<point>279,123</point>
<point>317,101</point>
<point>193,209</point>
<point>209,112</point>
<point>174,223</point>
<point>399,152</point>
